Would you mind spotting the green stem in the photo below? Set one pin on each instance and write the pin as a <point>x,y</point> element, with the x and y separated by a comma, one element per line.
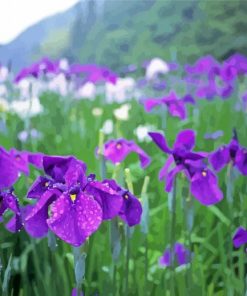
<point>172,238</point>
<point>131,189</point>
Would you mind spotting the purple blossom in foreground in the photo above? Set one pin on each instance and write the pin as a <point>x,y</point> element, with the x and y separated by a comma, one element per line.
<point>203,182</point>
<point>176,107</point>
<point>240,237</point>
<point>117,150</point>
<point>181,256</point>
<point>231,153</point>
<point>73,205</point>
<point>8,201</point>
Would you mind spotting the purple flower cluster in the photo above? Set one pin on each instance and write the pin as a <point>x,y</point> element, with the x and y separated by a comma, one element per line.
<point>214,79</point>
<point>65,200</point>
<point>46,66</point>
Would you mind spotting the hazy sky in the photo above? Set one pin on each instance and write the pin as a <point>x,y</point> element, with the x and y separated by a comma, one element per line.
<point>17,15</point>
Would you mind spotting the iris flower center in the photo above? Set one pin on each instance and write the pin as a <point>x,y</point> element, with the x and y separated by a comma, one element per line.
<point>73,197</point>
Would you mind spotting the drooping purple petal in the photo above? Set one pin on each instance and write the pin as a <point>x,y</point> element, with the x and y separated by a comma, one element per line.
<point>164,171</point>
<point>8,170</point>
<point>74,218</point>
<point>220,158</point>
<point>240,237</point>
<point>241,161</point>
<point>204,187</point>
<point>35,221</point>
<point>170,178</point>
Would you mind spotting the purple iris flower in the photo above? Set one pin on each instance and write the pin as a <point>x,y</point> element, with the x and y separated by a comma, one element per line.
<point>117,150</point>
<point>93,73</point>
<point>203,182</point>
<point>8,201</point>
<point>176,107</point>
<point>240,237</point>
<point>44,66</point>
<point>73,205</point>
<point>231,153</point>
<point>181,256</point>
<point>75,215</point>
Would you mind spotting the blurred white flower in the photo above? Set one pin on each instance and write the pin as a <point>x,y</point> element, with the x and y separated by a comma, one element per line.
<point>156,66</point>
<point>26,108</point>
<point>107,127</point>
<point>97,111</point>
<point>34,134</point>
<point>64,64</point>
<point>59,84</point>
<point>121,91</point>
<point>30,87</point>
<point>4,105</point>
<point>122,113</point>
<point>87,91</point>
<point>3,90</point>
<point>4,72</point>
<point>142,132</point>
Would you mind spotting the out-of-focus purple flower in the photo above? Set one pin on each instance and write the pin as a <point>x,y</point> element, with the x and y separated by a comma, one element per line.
<point>8,201</point>
<point>181,256</point>
<point>203,182</point>
<point>74,292</point>
<point>233,152</point>
<point>240,237</point>
<point>8,170</point>
<point>202,65</point>
<point>117,150</point>
<point>235,65</point>
<point>44,66</point>
<point>213,136</point>
<point>175,106</point>
<point>93,73</point>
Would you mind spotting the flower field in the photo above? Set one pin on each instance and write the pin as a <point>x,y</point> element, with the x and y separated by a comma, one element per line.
<point>129,183</point>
